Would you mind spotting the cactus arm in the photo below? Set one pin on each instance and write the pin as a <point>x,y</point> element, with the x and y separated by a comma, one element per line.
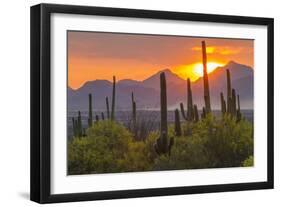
<point>182,111</point>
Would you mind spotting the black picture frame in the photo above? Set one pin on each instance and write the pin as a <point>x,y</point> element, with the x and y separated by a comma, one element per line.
<point>41,97</point>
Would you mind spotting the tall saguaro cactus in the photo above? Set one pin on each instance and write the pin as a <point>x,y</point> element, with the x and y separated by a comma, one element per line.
<point>113,100</point>
<point>134,112</point>
<point>233,102</point>
<point>229,94</point>
<point>206,80</point>
<point>223,104</point>
<point>177,123</point>
<point>190,113</point>
<point>238,113</point>
<point>107,108</point>
<point>90,116</point>
<point>163,145</point>
<point>163,104</point>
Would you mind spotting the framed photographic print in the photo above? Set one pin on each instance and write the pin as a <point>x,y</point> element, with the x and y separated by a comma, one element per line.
<point>132,103</point>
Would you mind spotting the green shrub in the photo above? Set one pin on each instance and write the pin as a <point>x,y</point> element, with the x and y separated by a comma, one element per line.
<point>249,162</point>
<point>100,151</point>
<point>210,143</point>
<point>109,147</point>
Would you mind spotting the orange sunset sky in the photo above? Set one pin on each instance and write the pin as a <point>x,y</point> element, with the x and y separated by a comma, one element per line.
<point>96,55</point>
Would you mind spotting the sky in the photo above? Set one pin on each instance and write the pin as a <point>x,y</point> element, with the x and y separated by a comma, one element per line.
<point>99,55</point>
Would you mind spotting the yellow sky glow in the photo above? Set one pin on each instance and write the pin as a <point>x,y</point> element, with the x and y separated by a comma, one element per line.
<point>93,56</point>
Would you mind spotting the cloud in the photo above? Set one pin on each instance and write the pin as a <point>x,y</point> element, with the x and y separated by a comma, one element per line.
<point>222,50</point>
<point>209,50</point>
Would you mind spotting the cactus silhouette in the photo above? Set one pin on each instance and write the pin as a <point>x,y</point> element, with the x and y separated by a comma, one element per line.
<point>113,100</point>
<point>233,103</point>
<point>177,123</point>
<point>97,118</point>
<point>77,126</point>
<point>102,115</point>
<point>203,115</point>
<point>134,113</point>
<point>206,80</point>
<point>90,118</point>
<point>238,113</point>
<point>107,108</point>
<point>163,145</point>
<point>74,127</point>
<point>223,104</point>
<point>189,116</point>
<point>229,95</point>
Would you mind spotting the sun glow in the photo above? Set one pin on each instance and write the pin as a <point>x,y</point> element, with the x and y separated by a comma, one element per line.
<point>195,70</point>
<point>211,66</point>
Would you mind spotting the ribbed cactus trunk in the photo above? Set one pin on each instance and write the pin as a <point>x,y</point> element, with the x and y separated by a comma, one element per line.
<point>239,115</point>
<point>107,108</point>
<point>223,104</point>
<point>162,145</point>
<point>90,116</point>
<point>190,113</point>
<point>233,101</point>
<point>163,104</point>
<point>206,80</point>
<point>134,113</point>
<point>113,100</point>
<point>177,123</point>
<point>229,94</point>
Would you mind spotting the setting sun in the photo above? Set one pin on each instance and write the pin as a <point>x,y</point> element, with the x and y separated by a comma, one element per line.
<point>195,70</point>
<point>211,66</point>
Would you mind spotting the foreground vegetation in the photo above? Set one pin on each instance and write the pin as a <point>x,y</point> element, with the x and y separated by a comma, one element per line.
<point>109,147</point>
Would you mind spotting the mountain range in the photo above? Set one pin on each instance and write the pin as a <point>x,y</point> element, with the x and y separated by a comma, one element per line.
<point>147,92</point>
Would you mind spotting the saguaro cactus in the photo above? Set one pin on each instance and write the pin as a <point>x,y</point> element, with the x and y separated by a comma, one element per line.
<point>90,118</point>
<point>238,113</point>
<point>97,118</point>
<point>102,115</point>
<point>107,108</point>
<point>203,115</point>
<point>229,95</point>
<point>233,102</point>
<point>189,116</point>
<point>134,112</point>
<point>206,80</point>
<point>177,123</point>
<point>113,100</point>
<point>223,104</point>
<point>77,126</point>
<point>162,144</point>
<point>196,115</point>
<point>74,127</point>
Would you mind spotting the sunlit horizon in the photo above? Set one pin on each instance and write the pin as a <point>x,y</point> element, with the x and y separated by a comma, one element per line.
<point>99,56</point>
